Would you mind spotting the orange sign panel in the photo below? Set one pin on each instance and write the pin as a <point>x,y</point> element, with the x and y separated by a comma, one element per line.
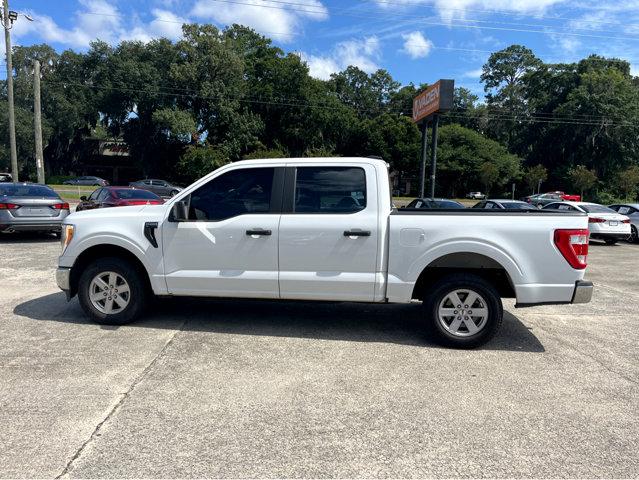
<point>436,98</point>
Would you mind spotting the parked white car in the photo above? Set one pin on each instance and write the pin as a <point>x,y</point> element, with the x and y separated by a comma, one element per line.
<point>476,196</point>
<point>323,229</point>
<point>631,210</point>
<point>603,222</point>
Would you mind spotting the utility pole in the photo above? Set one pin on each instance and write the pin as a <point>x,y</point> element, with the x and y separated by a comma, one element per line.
<point>37,121</point>
<point>433,157</point>
<point>7,24</point>
<point>423,156</point>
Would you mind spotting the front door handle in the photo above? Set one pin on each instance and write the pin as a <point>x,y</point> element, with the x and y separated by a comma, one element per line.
<point>258,231</point>
<point>357,233</point>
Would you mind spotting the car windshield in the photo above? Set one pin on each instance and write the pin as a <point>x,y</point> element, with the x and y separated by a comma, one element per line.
<point>446,204</point>
<point>594,208</point>
<point>27,191</point>
<point>135,194</point>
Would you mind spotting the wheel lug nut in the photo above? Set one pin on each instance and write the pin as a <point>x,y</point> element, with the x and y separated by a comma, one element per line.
<point>469,312</point>
<point>465,318</point>
<point>455,312</point>
<point>105,294</point>
<point>465,306</point>
<point>458,306</point>
<point>458,318</point>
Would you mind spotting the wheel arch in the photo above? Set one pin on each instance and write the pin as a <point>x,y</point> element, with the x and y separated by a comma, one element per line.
<point>474,263</point>
<point>105,250</point>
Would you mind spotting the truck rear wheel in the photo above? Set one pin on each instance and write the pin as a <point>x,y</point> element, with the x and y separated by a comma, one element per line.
<point>111,291</point>
<point>463,311</point>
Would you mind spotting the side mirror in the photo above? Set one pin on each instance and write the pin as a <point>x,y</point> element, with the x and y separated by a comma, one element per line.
<point>179,212</point>
<point>83,198</point>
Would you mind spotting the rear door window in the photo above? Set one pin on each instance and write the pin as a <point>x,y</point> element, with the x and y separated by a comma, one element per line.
<point>330,190</point>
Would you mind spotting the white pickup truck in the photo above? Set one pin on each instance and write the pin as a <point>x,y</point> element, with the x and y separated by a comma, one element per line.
<point>323,229</point>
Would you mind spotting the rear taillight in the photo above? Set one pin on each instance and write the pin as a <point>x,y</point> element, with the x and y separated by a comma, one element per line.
<point>596,220</point>
<point>8,206</point>
<point>573,245</point>
<point>627,220</point>
<point>60,206</point>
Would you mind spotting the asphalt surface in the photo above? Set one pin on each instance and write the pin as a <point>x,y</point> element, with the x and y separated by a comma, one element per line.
<point>264,389</point>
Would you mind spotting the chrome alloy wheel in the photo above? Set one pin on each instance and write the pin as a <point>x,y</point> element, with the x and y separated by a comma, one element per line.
<point>462,313</point>
<point>109,293</point>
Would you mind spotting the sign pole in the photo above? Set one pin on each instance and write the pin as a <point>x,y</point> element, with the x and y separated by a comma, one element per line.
<point>433,156</point>
<point>424,154</point>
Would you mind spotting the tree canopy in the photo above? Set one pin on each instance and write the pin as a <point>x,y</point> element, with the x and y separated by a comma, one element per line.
<point>218,96</point>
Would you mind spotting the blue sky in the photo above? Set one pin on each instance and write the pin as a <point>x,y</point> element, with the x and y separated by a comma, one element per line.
<point>416,40</point>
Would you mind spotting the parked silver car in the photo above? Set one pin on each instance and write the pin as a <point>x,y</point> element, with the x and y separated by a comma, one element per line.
<point>630,210</point>
<point>87,181</point>
<point>159,187</point>
<point>31,207</point>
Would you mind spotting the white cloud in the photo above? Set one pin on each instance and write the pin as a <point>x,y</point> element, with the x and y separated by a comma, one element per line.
<point>277,21</point>
<point>450,9</point>
<point>416,45</point>
<point>359,53</point>
<point>473,73</point>
<point>99,19</point>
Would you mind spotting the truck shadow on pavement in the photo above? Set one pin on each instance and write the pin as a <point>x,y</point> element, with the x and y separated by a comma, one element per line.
<point>355,322</point>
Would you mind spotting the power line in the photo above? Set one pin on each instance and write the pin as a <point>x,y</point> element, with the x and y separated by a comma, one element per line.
<point>502,12</point>
<point>530,118</point>
<point>419,19</point>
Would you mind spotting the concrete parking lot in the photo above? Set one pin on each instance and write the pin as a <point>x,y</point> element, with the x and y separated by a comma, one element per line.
<point>264,389</point>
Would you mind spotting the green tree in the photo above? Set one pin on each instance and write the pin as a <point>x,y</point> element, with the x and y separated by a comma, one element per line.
<point>488,174</point>
<point>199,160</point>
<point>628,181</point>
<point>582,178</point>
<point>462,152</point>
<point>535,176</point>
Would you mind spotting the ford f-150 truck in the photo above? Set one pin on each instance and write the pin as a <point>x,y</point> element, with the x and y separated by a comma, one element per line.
<point>323,229</point>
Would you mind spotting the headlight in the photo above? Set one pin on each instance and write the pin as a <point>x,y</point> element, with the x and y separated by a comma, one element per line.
<point>67,236</point>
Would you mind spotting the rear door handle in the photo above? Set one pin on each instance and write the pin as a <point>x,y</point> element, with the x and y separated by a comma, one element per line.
<point>357,233</point>
<point>258,231</point>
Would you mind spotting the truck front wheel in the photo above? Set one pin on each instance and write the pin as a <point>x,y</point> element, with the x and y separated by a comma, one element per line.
<point>463,311</point>
<point>111,291</point>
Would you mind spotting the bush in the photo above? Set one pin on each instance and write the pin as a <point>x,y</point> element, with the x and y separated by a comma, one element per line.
<point>607,198</point>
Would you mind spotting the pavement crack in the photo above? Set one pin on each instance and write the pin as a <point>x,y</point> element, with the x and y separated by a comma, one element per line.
<point>120,402</point>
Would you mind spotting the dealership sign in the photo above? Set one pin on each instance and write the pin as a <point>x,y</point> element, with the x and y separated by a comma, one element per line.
<point>435,99</point>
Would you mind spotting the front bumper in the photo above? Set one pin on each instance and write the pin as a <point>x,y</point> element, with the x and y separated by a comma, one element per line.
<point>63,279</point>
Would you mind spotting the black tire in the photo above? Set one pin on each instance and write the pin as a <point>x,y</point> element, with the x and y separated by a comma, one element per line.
<point>438,292</point>
<point>634,235</point>
<point>610,241</point>
<point>138,291</point>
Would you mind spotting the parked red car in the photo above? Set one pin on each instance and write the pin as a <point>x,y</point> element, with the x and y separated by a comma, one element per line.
<point>567,197</point>
<point>118,197</point>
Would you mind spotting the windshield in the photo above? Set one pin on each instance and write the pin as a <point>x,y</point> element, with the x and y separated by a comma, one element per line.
<point>133,194</point>
<point>594,208</point>
<point>27,191</point>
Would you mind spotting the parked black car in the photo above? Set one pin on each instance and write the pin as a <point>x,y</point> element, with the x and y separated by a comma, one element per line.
<point>87,180</point>
<point>159,187</point>
<point>433,203</point>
